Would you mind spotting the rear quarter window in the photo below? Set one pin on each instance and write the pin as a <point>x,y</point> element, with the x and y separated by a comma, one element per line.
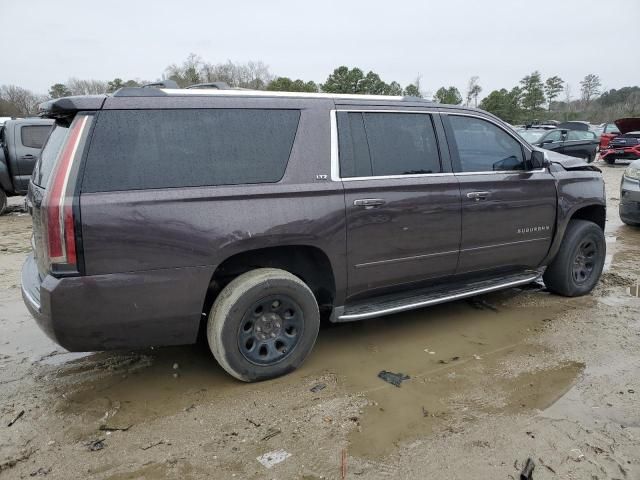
<point>145,149</point>
<point>34,136</point>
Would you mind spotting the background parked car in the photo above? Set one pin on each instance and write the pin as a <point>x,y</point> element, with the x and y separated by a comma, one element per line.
<point>625,146</point>
<point>20,145</point>
<point>630,194</point>
<point>609,131</point>
<point>576,143</point>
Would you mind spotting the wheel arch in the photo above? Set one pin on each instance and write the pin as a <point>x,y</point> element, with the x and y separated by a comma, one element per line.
<point>309,263</point>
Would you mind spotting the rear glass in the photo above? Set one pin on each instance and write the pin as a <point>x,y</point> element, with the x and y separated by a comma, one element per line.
<point>48,156</point>
<point>143,149</point>
<point>34,136</point>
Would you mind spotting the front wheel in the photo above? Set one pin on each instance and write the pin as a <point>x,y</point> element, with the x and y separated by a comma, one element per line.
<point>610,160</point>
<point>3,201</point>
<point>263,324</point>
<point>578,265</point>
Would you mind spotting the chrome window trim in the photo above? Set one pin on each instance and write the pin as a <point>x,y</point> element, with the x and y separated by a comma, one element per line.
<point>335,150</point>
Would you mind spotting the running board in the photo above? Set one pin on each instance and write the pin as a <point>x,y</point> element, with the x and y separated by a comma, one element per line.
<point>404,301</point>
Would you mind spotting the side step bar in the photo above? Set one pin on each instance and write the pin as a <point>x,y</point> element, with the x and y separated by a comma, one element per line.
<point>404,301</point>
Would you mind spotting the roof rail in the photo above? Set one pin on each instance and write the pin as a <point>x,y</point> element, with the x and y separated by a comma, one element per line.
<point>216,85</point>
<point>161,84</point>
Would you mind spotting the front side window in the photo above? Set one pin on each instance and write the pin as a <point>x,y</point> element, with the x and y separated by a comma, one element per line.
<point>483,146</point>
<point>34,136</point>
<point>384,144</point>
<point>580,135</point>
<point>143,149</point>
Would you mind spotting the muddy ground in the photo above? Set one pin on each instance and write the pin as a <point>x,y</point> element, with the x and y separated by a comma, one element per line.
<point>511,375</point>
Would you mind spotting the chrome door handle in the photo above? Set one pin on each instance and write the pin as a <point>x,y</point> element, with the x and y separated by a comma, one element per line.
<point>477,196</point>
<point>369,202</point>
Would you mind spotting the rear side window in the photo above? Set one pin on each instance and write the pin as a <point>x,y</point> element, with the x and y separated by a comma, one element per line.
<point>48,156</point>
<point>34,136</point>
<point>483,146</point>
<point>384,144</point>
<point>142,149</point>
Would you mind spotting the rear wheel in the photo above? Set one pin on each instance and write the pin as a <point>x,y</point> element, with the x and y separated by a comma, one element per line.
<point>577,267</point>
<point>610,160</point>
<point>3,201</point>
<point>263,324</point>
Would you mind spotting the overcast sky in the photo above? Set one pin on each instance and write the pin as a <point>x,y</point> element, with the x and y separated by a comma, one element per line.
<point>445,41</point>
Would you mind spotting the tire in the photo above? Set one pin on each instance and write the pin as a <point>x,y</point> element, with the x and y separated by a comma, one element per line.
<point>610,160</point>
<point>3,201</point>
<point>578,264</point>
<point>254,339</point>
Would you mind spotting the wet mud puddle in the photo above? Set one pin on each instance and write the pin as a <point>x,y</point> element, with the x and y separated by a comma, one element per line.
<point>464,360</point>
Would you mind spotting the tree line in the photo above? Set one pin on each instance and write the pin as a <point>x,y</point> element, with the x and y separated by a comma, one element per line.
<point>533,99</point>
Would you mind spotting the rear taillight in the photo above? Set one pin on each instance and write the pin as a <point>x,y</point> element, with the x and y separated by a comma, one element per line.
<point>57,205</point>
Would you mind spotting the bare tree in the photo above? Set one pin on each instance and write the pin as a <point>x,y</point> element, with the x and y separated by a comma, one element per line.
<point>20,100</point>
<point>473,90</point>
<point>78,86</point>
<point>590,87</point>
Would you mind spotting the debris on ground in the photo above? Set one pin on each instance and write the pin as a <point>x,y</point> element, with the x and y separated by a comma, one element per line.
<point>17,417</point>
<point>452,359</point>
<point>95,445</point>
<point>527,471</point>
<point>317,387</point>
<point>14,461</point>
<point>255,424</point>
<point>154,444</point>
<point>270,459</point>
<point>272,432</point>
<point>40,472</point>
<point>393,378</point>
<point>343,465</point>
<point>108,428</point>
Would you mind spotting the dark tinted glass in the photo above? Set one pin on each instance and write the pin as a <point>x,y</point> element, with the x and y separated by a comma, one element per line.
<point>34,136</point>
<point>354,150</point>
<point>378,144</point>
<point>141,149</point>
<point>401,143</point>
<point>483,146</point>
<point>48,156</point>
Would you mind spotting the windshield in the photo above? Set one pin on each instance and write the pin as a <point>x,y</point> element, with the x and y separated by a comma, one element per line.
<point>531,136</point>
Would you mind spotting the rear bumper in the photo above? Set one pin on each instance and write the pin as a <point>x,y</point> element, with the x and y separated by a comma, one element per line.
<point>120,310</point>
<point>630,200</point>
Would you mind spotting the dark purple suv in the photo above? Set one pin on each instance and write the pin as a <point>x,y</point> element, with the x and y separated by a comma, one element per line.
<point>251,215</point>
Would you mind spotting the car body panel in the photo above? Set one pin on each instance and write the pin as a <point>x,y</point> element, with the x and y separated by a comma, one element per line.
<point>149,255</point>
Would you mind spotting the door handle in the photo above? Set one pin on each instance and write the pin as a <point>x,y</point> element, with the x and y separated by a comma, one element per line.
<point>28,156</point>
<point>477,196</point>
<point>369,202</point>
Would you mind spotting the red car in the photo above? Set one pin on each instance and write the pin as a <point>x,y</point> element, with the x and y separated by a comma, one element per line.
<point>625,146</point>
<point>609,132</point>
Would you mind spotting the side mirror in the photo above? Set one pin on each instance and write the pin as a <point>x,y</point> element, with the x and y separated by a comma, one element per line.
<point>538,160</point>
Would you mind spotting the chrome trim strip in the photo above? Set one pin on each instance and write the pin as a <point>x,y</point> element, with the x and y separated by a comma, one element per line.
<point>335,151</point>
<point>335,166</point>
<point>426,303</point>
<point>505,244</point>
<point>264,93</point>
<point>403,259</point>
<point>29,298</point>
